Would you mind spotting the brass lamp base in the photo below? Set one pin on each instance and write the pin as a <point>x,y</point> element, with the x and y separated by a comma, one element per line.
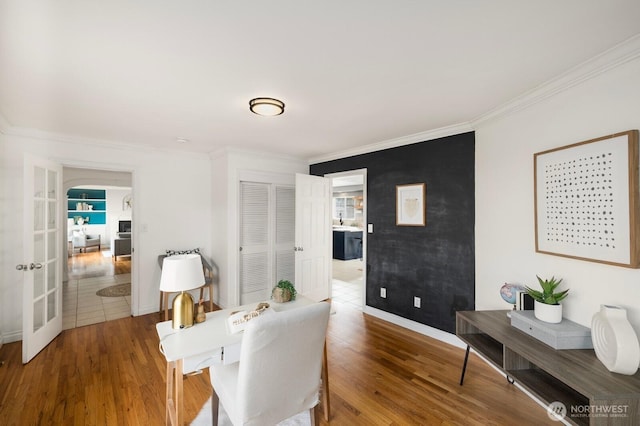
<point>182,311</point>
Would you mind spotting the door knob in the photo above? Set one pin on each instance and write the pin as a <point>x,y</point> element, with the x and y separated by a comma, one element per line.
<point>21,267</point>
<point>35,266</point>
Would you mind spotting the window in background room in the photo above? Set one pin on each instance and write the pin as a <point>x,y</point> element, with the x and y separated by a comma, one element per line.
<point>344,208</point>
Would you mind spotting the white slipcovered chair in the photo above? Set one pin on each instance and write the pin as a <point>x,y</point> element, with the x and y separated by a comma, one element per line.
<point>83,241</point>
<point>278,375</point>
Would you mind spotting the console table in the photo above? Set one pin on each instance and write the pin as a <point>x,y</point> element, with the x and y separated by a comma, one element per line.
<point>574,377</point>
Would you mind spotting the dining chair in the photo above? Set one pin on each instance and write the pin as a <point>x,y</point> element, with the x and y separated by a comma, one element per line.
<point>278,375</point>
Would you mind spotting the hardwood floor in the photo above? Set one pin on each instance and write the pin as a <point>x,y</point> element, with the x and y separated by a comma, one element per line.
<point>95,264</point>
<point>112,373</point>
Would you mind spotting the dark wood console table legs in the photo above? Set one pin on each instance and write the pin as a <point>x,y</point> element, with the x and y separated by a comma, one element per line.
<point>464,366</point>
<point>510,379</point>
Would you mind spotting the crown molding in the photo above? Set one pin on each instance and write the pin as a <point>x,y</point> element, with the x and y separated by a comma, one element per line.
<point>95,143</point>
<point>30,133</point>
<point>229,150</point>
<point>614,57</point>
<point>620,54</point>
<point>428,135</point>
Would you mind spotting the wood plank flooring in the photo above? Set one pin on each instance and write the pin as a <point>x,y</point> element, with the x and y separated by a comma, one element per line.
<point>112,373</point>
<point>95,264</point>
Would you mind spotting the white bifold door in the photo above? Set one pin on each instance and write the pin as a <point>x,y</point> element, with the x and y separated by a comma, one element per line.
<point>267,231</point>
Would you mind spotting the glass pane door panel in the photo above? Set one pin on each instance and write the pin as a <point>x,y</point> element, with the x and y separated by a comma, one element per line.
<point>51,245</point>
<point>52,176</point>
<point>38,182</point>
<point>51,276</point>
<point>51,214</point>
<point>38,283</point>
<point>38,248</point>
<point>38,215</point>
<point>51,306</point>
<point>38,314</point>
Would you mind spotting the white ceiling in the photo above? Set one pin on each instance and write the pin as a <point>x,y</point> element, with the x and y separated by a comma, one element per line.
<point>351,73</point>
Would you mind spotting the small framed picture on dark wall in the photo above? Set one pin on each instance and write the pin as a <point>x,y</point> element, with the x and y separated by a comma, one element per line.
<point>411,204</point>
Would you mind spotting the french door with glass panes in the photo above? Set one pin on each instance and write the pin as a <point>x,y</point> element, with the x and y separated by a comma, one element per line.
<point>42,255</point>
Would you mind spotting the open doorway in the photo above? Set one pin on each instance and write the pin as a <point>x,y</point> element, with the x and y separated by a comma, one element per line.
<point>349,238</point>
<point>97,280</point>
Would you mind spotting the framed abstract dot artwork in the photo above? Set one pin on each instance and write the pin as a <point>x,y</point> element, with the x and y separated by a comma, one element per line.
<point>587,204</point>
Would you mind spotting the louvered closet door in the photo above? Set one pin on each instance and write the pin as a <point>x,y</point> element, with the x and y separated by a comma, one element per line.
<point>285,233</point>
<point>254,242</point>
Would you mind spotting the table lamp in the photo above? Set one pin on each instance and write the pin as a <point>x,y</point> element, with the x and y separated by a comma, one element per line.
<point>181,273</point>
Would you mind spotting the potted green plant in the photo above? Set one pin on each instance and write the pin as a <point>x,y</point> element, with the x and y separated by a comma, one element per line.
<point>284,291</point>
<point>547,305</point>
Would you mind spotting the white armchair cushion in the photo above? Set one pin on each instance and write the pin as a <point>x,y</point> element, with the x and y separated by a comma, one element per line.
<point>280,365</point>
<point>82,240</point>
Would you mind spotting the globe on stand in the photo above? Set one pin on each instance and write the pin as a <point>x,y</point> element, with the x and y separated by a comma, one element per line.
<point>509,293</point>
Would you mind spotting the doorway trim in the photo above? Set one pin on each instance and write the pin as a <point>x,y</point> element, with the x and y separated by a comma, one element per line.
<point>110,167</point>
<point>363,173</point>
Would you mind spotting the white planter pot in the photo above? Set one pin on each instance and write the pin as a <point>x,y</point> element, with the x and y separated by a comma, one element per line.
<point>547,313</point>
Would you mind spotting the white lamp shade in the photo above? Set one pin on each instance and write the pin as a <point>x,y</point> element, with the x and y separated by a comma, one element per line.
<point>181,273</point>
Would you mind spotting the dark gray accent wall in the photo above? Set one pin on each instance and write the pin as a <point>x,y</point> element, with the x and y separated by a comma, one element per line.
<point>435,262</point>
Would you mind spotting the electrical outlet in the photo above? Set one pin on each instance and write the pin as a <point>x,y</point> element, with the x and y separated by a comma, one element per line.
<point>416,302</point>
<point>383,292</point>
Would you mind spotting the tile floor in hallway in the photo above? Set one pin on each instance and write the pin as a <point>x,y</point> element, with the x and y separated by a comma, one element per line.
<point>82,306</point>
<point>347,283</point>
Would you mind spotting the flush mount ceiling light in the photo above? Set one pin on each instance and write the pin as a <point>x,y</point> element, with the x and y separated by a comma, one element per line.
<point>266,106</point>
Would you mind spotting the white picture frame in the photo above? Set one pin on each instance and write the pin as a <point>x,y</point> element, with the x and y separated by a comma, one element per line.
<point>410,204</point>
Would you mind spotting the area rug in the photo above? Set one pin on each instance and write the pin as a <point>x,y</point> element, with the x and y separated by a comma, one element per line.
<point>204,417</point>
<point>117,290</point>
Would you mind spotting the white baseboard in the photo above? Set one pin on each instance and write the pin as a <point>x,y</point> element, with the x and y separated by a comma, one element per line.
<point>11,337</point>
<point>426,330</point>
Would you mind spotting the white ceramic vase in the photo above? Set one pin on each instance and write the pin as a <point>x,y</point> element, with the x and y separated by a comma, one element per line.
<point>614,340</point>
<point>547,313</point>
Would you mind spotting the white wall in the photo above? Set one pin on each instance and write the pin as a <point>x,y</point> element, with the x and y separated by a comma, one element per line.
<point>172,210</point>
<point>505,241</point>
<point>115,212</point>
<point>227,166</point>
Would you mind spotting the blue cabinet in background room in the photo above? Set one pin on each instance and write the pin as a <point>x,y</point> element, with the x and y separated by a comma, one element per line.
<point>87,206</point>
<point>347,245</point>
